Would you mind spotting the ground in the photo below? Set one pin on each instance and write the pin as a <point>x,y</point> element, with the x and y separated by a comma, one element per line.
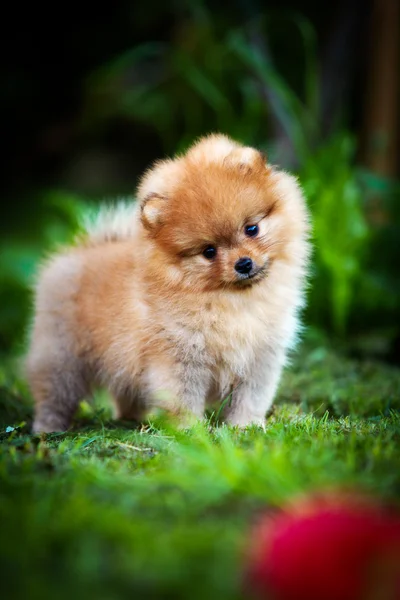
<point>109,511</point>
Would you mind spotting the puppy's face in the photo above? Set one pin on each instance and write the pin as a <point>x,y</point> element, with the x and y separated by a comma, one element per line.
<point>219,224</point>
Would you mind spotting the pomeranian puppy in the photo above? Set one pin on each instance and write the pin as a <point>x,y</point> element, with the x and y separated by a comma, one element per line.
<point>183,299</point>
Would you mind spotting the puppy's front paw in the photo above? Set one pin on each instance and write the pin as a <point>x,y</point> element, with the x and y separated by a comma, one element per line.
<point>244,422</point>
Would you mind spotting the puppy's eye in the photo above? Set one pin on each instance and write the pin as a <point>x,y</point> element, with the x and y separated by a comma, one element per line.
<point>210,252</point>
<point>251,230</point>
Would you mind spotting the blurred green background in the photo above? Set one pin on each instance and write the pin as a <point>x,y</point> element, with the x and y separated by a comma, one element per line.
<point>91,95</point>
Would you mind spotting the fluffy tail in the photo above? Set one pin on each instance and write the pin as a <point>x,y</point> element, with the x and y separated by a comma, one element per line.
<point>115,222</point>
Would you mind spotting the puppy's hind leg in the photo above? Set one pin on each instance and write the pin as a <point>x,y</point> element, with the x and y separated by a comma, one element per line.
<point>57,389</point>
<point>56,376</point>
<point>55,371</point>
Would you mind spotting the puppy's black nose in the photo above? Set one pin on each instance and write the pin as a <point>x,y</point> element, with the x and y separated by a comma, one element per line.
<point>244,265</point>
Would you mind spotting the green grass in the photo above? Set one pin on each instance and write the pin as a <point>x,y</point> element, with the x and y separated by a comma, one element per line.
<point>109,511</point>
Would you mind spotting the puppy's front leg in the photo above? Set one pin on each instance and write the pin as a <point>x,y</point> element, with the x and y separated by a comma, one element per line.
<point>254,396</point>
<point>179,389</point>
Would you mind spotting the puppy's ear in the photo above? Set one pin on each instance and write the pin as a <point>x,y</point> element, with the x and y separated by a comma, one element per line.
<point>246,159</point>
<point>154,189</point>
<point>152,208</point>
<point>263,157</point>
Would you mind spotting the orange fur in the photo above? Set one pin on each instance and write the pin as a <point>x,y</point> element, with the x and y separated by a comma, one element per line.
<point>137,307</point>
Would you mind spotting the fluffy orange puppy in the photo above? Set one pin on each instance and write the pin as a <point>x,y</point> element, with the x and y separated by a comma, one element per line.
<point>180,300</point>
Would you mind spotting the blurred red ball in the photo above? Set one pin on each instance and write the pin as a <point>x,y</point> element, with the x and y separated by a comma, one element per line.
<point>332,547</point>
